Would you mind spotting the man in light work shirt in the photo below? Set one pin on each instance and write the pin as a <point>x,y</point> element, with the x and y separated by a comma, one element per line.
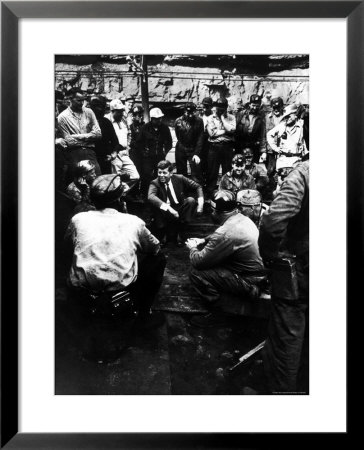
<point>80,130</point>
<point>286,139</point>
<point>272,119</point>
<point>221,128</point>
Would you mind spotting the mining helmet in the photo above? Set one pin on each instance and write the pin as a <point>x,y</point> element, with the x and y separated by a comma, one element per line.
<point>249,197</point>
<point>207,101</point>
<point>288,110</point>
<point>276,103</point>
<point>190,107</point>
<point>238,160</point>
<point>248,152</point>
<point>224,201</point>
<point>155,113</point>
<point>116,104</point>
<point>105,189</point>
<point>221,103</point>
<point>255,99</point>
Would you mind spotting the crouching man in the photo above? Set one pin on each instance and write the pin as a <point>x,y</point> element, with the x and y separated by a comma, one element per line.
<point>173,205</point>
<point>113,252</point>
<point>226,261</point>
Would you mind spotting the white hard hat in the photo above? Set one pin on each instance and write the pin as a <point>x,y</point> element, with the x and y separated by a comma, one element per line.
<point>116,104</point>
<point>156,113</point>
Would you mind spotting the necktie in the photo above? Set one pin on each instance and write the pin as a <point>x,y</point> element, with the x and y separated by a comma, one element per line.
<point>169,195</point>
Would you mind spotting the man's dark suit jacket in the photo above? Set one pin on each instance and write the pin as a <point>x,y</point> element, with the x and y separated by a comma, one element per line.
<point>181,185</point>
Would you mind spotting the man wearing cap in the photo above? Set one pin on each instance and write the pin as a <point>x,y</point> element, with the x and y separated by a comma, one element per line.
<point>173,206</point>
<point>115,251</point>
<point>284,240</point>
<point>287,139</point>
<point>106,149</point>
<point>80,130</point>
<point>257,171</point>
<point>221,128</point>
<point>153,144</point>
<point>226,261</point>
<point>250,129</point>
<point>190,133</point>
<point>237,179</point>
<point>272,119</point>
<point>118,119</point>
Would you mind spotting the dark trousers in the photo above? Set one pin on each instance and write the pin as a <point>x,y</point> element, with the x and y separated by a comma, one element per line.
<point>184,155</point>
<point>270,163</point>
<point>74,156</point>
<point>210,283</point>
<point>284,344</point>
<point>147,172</point>
<point>219,154</point>
<point>165,222</point>
<point>150,277</point>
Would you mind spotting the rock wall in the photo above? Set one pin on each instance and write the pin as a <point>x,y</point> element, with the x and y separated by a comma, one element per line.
<point>181,78</point>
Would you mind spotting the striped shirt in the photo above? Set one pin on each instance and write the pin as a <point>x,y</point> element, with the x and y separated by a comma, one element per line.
<point>79,129</point>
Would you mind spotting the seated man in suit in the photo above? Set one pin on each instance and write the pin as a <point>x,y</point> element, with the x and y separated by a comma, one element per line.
<point>169,194</point>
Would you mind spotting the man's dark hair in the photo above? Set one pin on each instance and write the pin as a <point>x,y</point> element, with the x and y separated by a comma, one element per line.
<point>165,165</point>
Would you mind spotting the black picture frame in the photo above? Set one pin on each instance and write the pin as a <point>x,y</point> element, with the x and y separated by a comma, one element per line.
<point>11,12</point>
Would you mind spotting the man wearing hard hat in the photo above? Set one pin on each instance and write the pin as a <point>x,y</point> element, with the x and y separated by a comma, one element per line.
<point>153,143</point>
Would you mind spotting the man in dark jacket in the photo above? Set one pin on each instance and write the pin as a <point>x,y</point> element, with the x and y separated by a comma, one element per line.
<point>190,135</point>
<point>284,246</point>
<point>153,143</point>
<point>250,129</point>
<point>107,147</point>
<point>226,261</point>
<point>173,208</point>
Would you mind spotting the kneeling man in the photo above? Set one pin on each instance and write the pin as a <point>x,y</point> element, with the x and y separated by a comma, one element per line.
<point>226,261</point>
<point>174,207</point>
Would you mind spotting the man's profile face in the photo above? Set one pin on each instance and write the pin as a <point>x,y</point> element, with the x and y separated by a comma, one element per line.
<point>248,160</point>
<point>90,176</point>
<point>77,102</point>
<point>117,114</point>
<point>128,105</point>
<point>291,119</point>
<point>138,118</point>
<point>164,175</point>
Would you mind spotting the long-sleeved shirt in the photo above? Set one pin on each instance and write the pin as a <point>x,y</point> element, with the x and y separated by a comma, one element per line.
<point>105,249</point>
<point>250,132</point>
<point>233,246</point>
<point>79,129</point>
<point>221,130</point>
<point>190,133</point>
<point>283,138</point>
<point>122,130</point>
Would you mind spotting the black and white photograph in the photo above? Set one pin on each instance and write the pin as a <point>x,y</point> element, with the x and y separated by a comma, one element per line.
<point>182,224</point>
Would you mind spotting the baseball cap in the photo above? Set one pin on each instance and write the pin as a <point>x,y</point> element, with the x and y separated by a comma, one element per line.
<point>255,99</point>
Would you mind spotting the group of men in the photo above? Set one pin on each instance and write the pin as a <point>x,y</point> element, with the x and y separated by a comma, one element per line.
<point>108,156</point>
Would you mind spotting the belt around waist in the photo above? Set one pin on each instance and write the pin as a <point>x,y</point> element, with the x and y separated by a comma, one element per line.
<point>221,143</point>
<point>291,154</point>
